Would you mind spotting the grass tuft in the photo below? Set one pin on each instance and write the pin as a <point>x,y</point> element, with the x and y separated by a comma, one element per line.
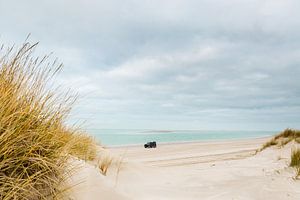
<point>35,143</point>
<point>295,161</point>
<point>104,162</point>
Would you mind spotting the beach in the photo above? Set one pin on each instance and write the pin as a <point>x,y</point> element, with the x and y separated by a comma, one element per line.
<point>195,170</point>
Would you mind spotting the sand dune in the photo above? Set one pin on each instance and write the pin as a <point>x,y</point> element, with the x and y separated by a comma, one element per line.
<point>204,170</point>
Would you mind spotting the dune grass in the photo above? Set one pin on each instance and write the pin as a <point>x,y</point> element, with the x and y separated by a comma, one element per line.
<point>35,143</point>
<point>283,138</point>
<point>104,163</point>
<point>295,161</point>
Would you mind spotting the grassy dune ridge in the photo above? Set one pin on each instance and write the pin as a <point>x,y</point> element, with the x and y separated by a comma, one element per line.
<point>282,139</point>
<point>35,143</point>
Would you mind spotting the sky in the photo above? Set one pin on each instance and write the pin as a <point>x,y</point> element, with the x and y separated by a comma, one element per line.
<point>170,64</point>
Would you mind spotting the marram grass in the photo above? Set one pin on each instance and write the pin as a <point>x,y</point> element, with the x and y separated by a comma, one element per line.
<point>35,143</point>
<point>283,138</point>
<point>295,161</point>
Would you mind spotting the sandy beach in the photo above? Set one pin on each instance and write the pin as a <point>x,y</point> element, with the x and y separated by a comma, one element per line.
<point>200,170</point>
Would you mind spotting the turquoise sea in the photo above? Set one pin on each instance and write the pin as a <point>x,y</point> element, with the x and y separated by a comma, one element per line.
<point>119,137</point>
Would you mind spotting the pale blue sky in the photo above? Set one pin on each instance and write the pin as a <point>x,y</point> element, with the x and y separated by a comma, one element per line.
<point>170,64</point>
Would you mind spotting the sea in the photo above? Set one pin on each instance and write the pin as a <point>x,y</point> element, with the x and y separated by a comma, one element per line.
<point>124,137</point>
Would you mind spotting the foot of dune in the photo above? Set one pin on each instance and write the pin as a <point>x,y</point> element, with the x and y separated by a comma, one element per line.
<point>204,170</point>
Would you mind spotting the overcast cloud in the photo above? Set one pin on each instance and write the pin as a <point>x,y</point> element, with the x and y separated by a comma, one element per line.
<point>171,64</point>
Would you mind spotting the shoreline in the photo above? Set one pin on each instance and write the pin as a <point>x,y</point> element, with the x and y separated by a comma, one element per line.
<point>208,141</point>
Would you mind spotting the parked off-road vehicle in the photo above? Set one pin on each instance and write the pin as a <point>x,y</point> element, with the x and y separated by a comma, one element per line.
<point>150,145</point>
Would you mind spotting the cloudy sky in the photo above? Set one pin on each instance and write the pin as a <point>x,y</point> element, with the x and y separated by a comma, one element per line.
<point>170,64</point>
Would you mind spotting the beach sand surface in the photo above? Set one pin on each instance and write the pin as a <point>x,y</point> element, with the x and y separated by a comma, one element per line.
<point>223,170</point>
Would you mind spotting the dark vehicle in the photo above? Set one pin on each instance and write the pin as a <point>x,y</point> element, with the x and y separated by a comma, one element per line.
<point>150,145</point>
